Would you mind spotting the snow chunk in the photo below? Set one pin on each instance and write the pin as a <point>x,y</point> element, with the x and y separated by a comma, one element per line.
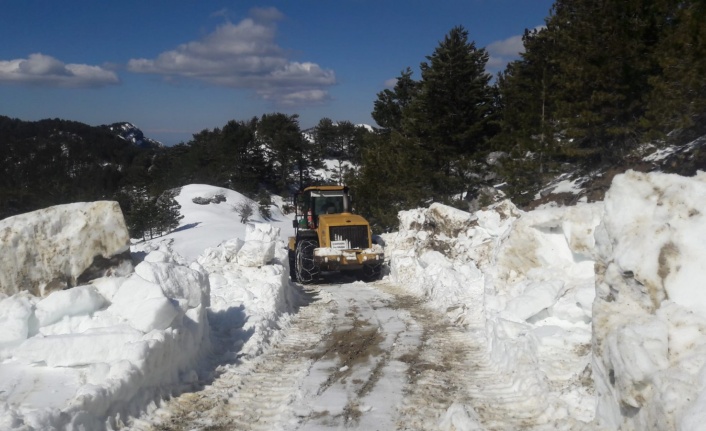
<point>91,347</point>
<point>15,314</point>
<point>58,244</point>
<point>259,246</point>
<point>261,232</point>
<point>176,281</point>
<point>144,305</point>
<point>537,297</point>
<point>656,227</point>
<point>72,302</point>
<point>256,253</point>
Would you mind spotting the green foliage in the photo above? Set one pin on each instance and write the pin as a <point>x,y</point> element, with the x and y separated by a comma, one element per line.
<point>602,77</point>
<point>393,178</point>
<point>288,156</point>
<point>604,59</point>
<point>342,141</point>
<point>149,216</point>
<point>391,105</point>
<point>168,213</point>
<point>53,162</point>
<point>678,98</point>
<point>435,131</point>
<point>453,112</point>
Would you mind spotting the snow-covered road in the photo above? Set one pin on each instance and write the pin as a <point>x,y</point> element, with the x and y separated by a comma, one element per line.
<point>570,318</point>
<point>359,356</point>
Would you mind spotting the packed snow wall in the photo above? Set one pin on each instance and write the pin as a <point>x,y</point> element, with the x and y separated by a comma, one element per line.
<point>649,316</point>
<point>522,283</point>
<point>88,356</point>
<point>597,308</point>
<point>50,248</point>
<point>252,275</point>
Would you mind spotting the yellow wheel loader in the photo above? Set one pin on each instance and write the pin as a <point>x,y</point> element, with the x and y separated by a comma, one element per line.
<point>328,237</point>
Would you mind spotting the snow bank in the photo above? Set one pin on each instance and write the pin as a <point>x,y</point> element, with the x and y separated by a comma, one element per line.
<point>650,312</point>
<point>92,355</point>
<point>250,288</point>
<point>98,354</point>
<point>607,293</point>
<point>522,283</point>
<point>439,252</point>
<point>54,246</point>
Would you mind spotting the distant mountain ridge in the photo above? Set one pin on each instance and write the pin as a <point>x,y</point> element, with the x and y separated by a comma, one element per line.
<point>54,161</point>
<point>132,133</point>
<point>16,129</point>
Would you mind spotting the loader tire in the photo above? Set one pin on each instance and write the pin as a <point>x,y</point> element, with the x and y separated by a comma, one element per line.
<point>371,272</point>
<point>306,270</point>
<point>292,265</point>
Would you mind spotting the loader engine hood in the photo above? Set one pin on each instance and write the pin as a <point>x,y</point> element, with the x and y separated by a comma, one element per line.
<point>335,229</point>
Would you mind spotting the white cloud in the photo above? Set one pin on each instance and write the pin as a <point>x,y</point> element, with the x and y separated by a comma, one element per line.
<point>296,98</point>
<point>390,83</point>
<point>244,55</point>
<point>40,69</point>
<point>508,47</point>
<point>502,52</point>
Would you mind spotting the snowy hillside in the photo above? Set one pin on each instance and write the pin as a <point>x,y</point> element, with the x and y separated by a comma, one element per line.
<point>333,171</point>
<point>207,225</point>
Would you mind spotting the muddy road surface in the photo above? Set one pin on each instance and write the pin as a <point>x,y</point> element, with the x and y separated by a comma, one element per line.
<point>357,356</point>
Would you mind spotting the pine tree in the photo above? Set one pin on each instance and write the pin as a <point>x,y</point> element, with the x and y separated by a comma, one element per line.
<point>678,97</point>
<point>168,211</point>
<point>242,164</point>
<point>324,137</point>
<point>393,177</point>
<point>453,114</point>
<point>264,201</point>
<point>391,105</point>
<point>285,150</point>
<point>605,59</point>
<point>527,107</point>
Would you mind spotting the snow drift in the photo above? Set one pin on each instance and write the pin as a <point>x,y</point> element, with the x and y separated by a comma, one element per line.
<point>93,354</point>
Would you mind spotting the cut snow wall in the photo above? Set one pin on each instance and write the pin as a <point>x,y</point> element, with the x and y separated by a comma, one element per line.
<point>443,253</point>
<point>522,283</point>
<point>54,246</point>
<point>649,338</point>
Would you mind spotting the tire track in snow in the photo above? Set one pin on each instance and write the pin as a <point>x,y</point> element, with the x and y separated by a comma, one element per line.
<point>254,395</point>
<point>450,369</point>
<point>366,357</point>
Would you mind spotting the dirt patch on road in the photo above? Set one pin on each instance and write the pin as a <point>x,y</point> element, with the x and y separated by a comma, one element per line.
<point>352,346</point>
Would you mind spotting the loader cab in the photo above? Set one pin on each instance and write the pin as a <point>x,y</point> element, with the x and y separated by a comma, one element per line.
<point>314,202</point>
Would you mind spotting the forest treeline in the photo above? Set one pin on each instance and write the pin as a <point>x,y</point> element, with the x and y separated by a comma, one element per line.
<point>600,78</point>
<point>52,162</point>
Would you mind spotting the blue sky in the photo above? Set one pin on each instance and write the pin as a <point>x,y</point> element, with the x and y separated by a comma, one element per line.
<point>174,68</point>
